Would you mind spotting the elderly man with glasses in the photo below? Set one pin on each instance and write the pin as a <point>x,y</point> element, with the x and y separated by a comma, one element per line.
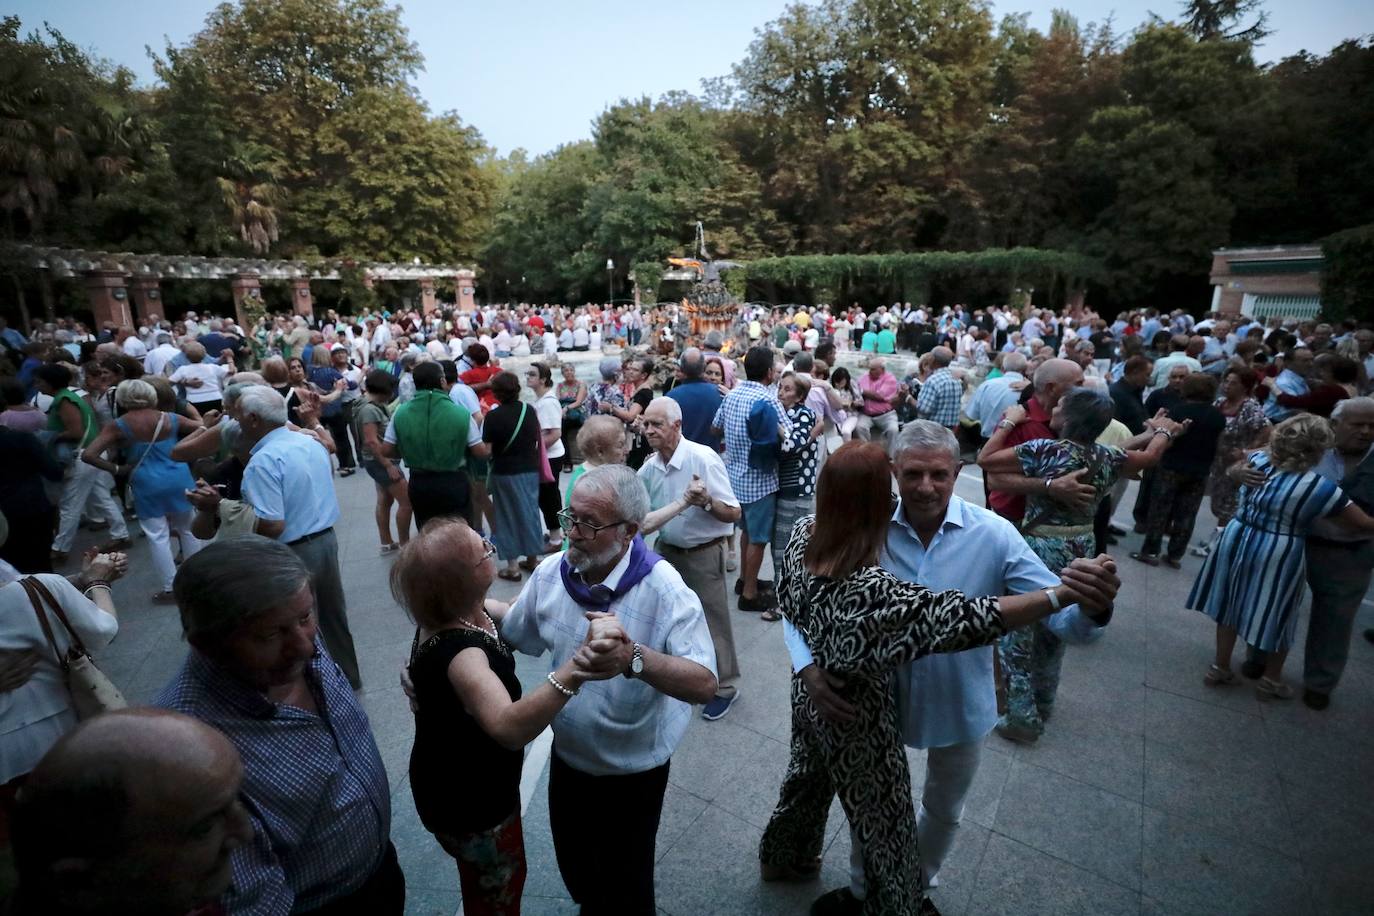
<point>614,738</point>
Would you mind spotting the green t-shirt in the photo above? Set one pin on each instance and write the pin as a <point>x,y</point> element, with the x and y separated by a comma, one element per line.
<point>887,341</point>
<point>88,422</point>
<point>869,342</point>
<point>780,335</point>
<point>369,412</point>
<point>432,432</point>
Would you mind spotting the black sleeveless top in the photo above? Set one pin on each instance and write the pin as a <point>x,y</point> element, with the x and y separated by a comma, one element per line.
<point>462,779</point>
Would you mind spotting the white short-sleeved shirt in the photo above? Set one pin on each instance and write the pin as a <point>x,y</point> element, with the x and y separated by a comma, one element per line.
<point>35,715</point>
<point>666,481</point>
<point>550,414</point>
<point>210,375</point>
<point>617,725</point>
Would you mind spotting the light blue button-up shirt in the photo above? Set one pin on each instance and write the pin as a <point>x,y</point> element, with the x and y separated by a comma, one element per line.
<point>950,698</point>
<point>991,399</point>
<point>290,478</point>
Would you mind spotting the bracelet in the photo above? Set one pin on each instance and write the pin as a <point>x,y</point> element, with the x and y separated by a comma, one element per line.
<point>560,688</point>
<point>105,585</point>
<point>1054,598</point>
<point>1163,432</point>
<point>1005,424</point>
<point>1049,480</point>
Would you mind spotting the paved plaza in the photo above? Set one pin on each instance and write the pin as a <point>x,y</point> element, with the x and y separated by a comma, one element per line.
<point>1149,794</point>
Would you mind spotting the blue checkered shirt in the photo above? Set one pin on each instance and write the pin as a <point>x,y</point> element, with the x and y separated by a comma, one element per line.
<point>940,398</point>
<point>314,785</point>
<point>750,484</point>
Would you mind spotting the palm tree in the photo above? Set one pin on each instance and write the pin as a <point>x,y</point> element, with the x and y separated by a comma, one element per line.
<point>252,195</point>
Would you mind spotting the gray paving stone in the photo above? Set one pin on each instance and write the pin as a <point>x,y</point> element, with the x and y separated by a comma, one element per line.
<point>1190,867</point>
<point>1102,835</point>
<point>1088,749</point>
<point>1244,802</point>
<point>1017,880</point>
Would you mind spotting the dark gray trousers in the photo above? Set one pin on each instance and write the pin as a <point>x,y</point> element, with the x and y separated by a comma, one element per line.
<point>321,556</point>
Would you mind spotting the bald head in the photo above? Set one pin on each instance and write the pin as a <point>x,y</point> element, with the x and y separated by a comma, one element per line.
<point>1053,378</point>
<point>941,357</point>
<point>156,794</point>
<point>692,363</point>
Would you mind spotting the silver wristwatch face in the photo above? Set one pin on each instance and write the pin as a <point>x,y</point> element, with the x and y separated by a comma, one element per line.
<point>637,664</point>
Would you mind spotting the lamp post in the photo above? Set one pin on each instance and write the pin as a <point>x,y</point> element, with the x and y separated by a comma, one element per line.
<point>610,280</point>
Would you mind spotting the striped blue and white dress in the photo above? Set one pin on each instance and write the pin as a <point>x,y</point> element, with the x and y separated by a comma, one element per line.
<point>1253,580</point>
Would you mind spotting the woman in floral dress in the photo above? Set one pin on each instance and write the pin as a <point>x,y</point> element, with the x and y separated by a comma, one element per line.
<point>1246,428</point>
<point>1059,534</point>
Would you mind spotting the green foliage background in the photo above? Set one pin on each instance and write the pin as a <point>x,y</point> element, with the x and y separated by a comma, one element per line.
<point>861,148</point>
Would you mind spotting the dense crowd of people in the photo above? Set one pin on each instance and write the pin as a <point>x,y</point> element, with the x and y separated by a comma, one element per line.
<point>622,499</point>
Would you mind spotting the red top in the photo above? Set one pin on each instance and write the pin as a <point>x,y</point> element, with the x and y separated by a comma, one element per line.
<point>476,376</point>
<point>1012,506</point>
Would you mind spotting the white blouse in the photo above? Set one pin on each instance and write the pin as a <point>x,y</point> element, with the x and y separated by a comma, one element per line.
<point>34,716</point>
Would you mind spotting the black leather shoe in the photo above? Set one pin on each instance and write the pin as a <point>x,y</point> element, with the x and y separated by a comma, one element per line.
<point>1314,699</point>
<point>1251,670</point>
<point>764,585</point>
<point>839,902</point>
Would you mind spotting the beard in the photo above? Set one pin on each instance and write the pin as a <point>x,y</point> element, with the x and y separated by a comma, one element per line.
<point>583,560</point>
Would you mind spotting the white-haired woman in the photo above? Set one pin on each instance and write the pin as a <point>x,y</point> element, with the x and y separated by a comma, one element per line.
<point>158,481</point>
<point>203,379</point>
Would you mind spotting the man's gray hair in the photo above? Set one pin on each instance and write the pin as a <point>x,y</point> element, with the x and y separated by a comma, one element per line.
<point>1014,362</point>
<point>619,485</point>
<point>803,362</point>
<point>234,390</point>
<point>264,403</point>
<point>232,581</point>
<point>672,408</point>
<point>1342,407</point>
<point>926,436</point>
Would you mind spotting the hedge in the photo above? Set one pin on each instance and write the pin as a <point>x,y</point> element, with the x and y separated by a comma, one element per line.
<point>1348,274</point>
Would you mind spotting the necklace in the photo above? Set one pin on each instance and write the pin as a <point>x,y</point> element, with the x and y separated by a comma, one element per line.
<point>481,629</point>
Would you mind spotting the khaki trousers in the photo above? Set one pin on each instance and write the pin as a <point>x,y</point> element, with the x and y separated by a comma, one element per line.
<point>703,571</point>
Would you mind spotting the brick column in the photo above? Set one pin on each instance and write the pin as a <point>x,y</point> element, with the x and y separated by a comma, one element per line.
<point>428,304</point>
<point>147,296</point>
<point>302,302</point>
<point>109,298</point>
<point>464,282</point>
<point>245,287</point>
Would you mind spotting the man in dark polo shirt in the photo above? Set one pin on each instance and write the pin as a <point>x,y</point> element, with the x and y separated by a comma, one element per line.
<point>434,436</point>
<point>698,398</point>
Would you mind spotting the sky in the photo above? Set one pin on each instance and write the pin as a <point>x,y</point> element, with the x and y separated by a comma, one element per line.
<point>534,74</point>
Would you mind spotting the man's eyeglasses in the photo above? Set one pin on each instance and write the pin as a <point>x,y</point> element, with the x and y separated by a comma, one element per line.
<point>567,521</point>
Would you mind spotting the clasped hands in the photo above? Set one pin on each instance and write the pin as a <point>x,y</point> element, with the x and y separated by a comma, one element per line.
<point>605,652</point>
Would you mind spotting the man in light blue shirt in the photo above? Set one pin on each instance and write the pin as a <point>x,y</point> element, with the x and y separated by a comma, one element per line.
<point>947,703</point>
<point>289,482</point>
<point>994,396</point>
<point>1297,365</point>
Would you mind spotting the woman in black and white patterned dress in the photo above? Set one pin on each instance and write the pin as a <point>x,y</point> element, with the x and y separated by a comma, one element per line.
<point>860,622</point>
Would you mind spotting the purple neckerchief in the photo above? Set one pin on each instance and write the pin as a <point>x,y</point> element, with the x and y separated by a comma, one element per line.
<point>599,597</point>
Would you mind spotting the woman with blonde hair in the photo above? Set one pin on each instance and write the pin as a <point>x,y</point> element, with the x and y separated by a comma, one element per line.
<point>158,481</point>
<point>1252,583</point>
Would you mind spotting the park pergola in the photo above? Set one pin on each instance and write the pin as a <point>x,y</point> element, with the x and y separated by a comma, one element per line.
<point>123,287</point>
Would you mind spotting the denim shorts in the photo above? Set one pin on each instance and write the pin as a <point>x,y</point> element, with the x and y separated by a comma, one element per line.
<point>756,518</point>
<point>377,472</point>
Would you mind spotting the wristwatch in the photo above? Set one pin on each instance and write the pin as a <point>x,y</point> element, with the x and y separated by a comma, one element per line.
<point>1005,424</point>
<point>710,504</point>
<point>636,667</point>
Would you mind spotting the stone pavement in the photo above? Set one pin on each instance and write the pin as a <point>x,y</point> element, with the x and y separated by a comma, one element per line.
<point>1150,793</point>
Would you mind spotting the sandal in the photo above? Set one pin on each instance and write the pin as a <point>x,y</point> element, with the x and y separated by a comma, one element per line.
<point>1173,564</point>
<point>771,615</point>
<point>529,564</point>
<point>1149,559</point>
<point>1275,690</point>
<point>389,548</point>
<point>509,575</point>
<point>347,472</point>
<point>1217,676</point>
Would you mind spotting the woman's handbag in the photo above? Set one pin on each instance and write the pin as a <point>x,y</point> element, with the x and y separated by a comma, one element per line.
<point>91,691</point>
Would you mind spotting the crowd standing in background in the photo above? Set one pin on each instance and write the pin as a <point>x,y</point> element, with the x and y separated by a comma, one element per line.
<point>825,439</point>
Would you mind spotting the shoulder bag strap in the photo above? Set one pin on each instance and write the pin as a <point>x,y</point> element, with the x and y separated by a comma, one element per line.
<point>157,431</point>
<point>42,589</point>
<point>29,583</point>
<point>518,424</point>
